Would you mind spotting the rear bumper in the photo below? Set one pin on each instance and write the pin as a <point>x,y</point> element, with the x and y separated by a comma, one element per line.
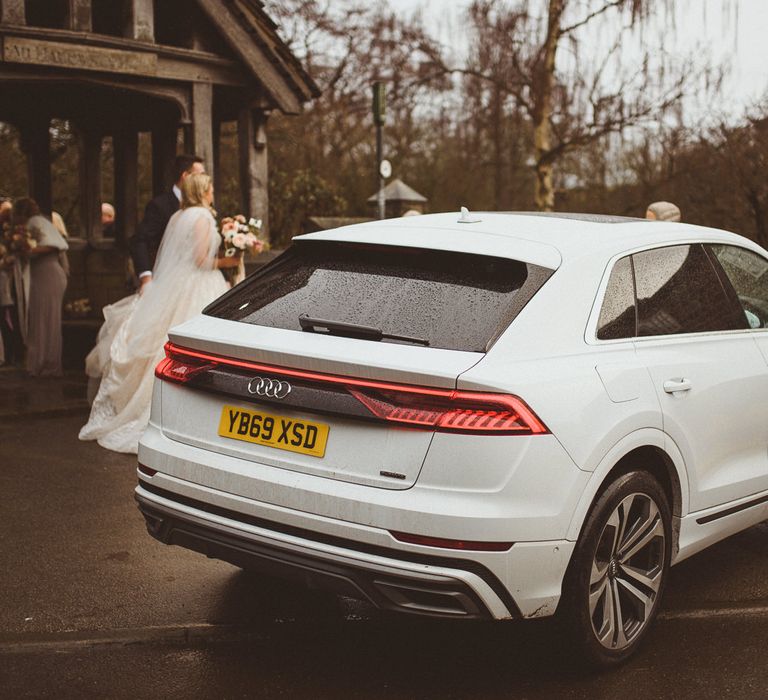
<point>424,585</point>
<point>322,526</point>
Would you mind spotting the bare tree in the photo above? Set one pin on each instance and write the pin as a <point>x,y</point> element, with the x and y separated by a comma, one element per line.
<point>346,46</point>
<point>598,88</point>
<point>599,110</point>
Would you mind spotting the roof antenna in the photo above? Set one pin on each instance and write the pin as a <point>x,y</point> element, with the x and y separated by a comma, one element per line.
<point>467,217</point>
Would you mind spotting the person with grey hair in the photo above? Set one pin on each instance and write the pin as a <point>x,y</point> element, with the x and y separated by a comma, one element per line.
<point>107,220</point>
<point>663,211</point>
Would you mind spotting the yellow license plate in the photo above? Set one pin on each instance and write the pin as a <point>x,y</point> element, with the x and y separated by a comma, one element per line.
<point>295,435</point>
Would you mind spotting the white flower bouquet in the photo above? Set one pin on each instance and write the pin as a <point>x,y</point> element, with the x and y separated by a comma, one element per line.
<point>239,235</point>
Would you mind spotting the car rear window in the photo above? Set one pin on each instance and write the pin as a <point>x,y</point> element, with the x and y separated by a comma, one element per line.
<point>456,301</point>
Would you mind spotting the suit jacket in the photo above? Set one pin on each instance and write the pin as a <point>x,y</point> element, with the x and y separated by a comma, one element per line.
<point>146,241</point>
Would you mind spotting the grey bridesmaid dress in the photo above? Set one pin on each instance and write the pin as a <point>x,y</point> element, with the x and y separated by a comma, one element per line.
<point>48,282</point>
<point>47,285</point>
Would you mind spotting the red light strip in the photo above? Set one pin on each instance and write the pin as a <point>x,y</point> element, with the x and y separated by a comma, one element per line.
<point>443,543</point>
<point>508,402</point>
<point>147,470</point>
<point>175,352</point>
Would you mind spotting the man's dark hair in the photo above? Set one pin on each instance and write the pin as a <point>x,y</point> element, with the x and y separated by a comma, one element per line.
<point>183,164</point>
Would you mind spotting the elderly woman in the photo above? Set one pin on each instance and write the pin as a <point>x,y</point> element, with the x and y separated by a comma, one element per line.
<point>48,281</point>
<point>663,211</point>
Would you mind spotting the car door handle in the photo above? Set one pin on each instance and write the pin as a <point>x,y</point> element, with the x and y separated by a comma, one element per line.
<point>672,386</point>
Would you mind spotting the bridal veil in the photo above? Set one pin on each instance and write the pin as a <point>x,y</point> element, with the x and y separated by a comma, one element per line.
<point>130,343</point>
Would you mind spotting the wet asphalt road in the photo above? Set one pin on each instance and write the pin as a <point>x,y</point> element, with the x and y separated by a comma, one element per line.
<point>91,606</point>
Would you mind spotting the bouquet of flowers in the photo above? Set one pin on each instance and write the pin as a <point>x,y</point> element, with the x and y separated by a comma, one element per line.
<point>15,244</point>
<point>238,235</point>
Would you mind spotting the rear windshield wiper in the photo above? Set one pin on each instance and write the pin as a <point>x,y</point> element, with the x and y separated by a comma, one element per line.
<point>353,330</point>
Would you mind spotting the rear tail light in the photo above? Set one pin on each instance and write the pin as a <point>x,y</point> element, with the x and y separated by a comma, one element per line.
<point>452,411</point>
<point>445,410</point>
<point>179,368</point>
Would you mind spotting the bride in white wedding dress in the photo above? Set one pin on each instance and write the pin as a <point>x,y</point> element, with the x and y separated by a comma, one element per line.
<point>185,279</point>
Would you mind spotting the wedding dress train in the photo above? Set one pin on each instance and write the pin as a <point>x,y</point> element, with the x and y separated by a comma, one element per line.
<point>130,343</point>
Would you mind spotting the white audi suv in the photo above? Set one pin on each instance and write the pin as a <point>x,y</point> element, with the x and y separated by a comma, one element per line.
<point>480,416</point>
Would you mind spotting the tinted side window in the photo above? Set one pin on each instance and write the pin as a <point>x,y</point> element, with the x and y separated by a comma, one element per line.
<point>679,291</point>
<point>617,315</point>
<point>748,273</point>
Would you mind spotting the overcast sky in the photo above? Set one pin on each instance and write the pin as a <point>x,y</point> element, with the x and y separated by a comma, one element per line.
<point>697,21</point>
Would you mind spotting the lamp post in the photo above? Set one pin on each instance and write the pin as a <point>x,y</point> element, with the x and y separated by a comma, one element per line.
<point>379,104</point>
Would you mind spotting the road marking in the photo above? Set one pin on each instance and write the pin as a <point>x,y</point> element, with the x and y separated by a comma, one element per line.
<point>703,613</point>
<point>31,642</point>
<point>22,643</point>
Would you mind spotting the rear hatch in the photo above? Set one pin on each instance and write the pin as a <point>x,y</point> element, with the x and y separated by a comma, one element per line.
<point>341,359</point>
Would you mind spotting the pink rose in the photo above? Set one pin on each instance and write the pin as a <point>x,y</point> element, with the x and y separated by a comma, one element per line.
<point>239,241</point>
<point>254,243</point>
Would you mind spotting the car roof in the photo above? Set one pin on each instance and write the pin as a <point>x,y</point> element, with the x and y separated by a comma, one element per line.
<point>545,239</point>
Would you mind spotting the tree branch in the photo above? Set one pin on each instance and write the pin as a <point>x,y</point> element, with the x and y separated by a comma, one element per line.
<point>591,16</point>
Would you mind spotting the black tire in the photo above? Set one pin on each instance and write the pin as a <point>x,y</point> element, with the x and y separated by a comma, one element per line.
<point>607,610</point>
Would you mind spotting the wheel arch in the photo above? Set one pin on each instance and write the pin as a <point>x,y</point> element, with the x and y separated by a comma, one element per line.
<point>649,450</point>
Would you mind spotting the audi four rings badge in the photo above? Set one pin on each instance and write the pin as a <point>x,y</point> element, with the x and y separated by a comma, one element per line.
<point>269,388</point>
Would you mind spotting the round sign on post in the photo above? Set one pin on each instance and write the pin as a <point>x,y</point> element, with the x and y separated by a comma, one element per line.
<point>385,168</point>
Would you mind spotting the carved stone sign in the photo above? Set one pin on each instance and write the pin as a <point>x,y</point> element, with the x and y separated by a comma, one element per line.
<point>52,53</point>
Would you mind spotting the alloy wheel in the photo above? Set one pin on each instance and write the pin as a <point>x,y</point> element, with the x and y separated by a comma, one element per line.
<point>627,571</point>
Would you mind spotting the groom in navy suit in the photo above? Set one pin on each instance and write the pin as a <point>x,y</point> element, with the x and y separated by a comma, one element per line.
<point>146,241</point>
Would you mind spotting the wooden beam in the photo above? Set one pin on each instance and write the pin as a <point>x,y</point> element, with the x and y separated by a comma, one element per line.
<point>202,124</point>
<point>142,21</point>
<point>126,147</point>
<point>173,103</point>
<point>70,56</point>
<point>80,15</point>
<point>250,52</point>
<point>173,68</point>
<point>12,12</point>
<point>90,183</point>
<point>253,165</point>
<point>187,138</point>
<point>163,154</point>
<point>35,142</point>
<point>216,164</point>
<point>108,54</point>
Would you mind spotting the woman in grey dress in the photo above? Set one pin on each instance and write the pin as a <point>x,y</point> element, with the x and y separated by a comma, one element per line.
<point>48,281</point>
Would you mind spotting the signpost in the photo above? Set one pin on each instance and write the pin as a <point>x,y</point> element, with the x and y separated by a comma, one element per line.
<point>379,109</point>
